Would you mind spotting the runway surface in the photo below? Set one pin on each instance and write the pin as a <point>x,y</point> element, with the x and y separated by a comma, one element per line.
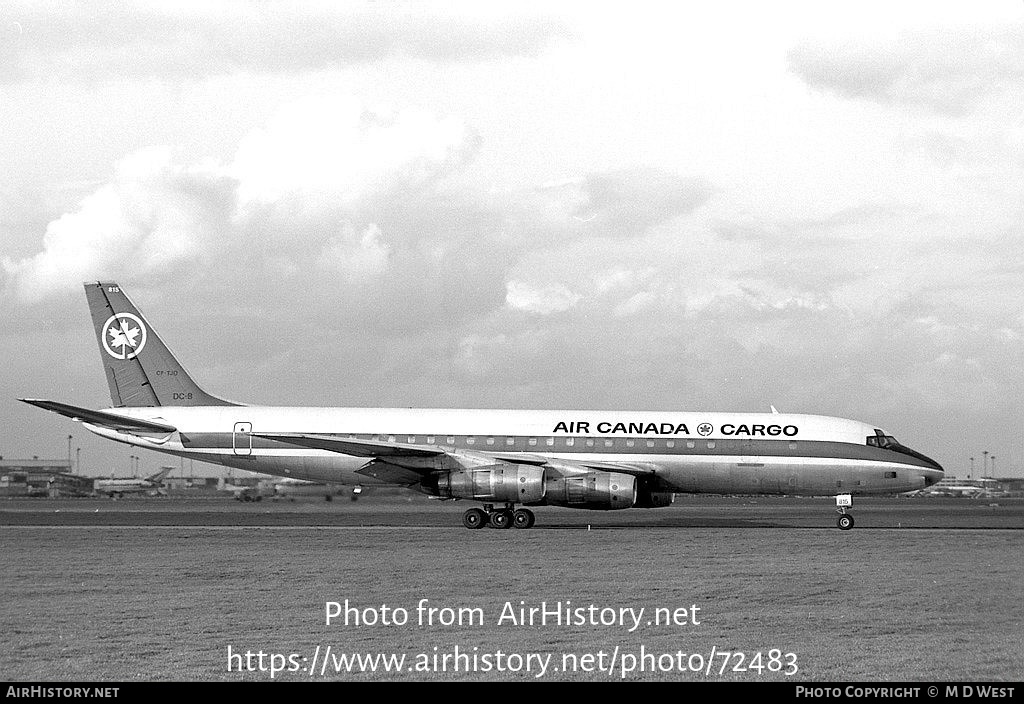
<point>420,512</point>
<point>170,589</point>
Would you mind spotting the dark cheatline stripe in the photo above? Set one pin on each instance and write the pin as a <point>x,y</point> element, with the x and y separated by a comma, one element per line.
<point>787,447</point>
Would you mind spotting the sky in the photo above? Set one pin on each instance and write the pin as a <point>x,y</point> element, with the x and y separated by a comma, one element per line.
<point>638,206</point>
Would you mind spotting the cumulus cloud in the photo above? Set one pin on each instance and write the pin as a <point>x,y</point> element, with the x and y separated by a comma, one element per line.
<point>546,300</point>
<point>305,193</point>
<point>153,218</point>
<point>947,71</point>
<point>120,38</point>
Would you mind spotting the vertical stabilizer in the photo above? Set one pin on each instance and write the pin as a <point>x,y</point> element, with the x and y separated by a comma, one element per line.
<point>140,370</point>
<point>159,477</point>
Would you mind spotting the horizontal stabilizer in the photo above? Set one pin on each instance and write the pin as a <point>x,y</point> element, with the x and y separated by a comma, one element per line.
<point>351,446</point>
<point>102,418</point>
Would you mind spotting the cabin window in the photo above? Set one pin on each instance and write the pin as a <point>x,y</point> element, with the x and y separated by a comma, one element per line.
<point>412,438</point>
<point>792,446</point>
<point>470,440</point>
<point>430,439</point>
<point>590,442</point>
<point>490,441</point>
<point>690,444</point>
<point>630,443</point>
<point>670,443</point>
<point>391,438</point>
<point>450,439</point>
<point>890,475</point>
<point>569,442</point>
<point>608,443</point>
<point>510,441</point>
<point>532,441</point>
<point>550,442</point>
<point>650,443</point>
<point>711,444</point>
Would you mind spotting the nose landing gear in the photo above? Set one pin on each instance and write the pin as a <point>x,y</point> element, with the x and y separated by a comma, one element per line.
<point>845,520</point>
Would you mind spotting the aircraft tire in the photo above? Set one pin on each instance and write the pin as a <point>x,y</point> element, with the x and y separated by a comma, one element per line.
<point>474,518</point>
<point>523,518</point>
<point>501,519</point>
<point>845,522</point>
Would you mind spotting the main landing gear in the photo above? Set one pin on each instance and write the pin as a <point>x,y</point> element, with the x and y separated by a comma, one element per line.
<point>845,520</point>
<point>506,517</point>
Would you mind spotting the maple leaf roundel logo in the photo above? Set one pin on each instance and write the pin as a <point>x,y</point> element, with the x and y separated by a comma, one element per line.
<point>124,336</point>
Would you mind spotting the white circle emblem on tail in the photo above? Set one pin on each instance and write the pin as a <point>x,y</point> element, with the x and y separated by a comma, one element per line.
<point>123,336</point>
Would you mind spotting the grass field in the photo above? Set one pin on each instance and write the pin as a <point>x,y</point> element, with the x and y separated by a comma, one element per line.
<point>89,599</point>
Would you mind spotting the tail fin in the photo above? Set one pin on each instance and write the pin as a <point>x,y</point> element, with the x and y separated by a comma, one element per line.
<point>140,370</point>
<point>159,477</point>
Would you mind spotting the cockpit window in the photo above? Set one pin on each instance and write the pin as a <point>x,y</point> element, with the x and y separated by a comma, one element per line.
<point>888,442</point>
<point>880,439</point>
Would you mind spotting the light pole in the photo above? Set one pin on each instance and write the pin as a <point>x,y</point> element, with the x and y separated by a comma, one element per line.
<point>71,467</point>
<point>971,475</point>
<point>78,459</point>
<point>984,464</point>
<point>992,467</point>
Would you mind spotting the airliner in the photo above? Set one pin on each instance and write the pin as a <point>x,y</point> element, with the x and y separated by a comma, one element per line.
<point>116,488</point>
<point>509,461</point>
<point>969,488</point>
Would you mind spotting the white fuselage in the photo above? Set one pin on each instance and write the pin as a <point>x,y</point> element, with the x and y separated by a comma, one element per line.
<point>682,451</point>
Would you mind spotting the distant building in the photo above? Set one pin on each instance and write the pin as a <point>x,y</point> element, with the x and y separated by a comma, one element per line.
<point>36,477</point>
<point>1012,484</point>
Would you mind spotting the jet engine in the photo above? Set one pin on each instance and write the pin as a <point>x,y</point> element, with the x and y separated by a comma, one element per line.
<point>646,498</point>
<point>594,490</point>
<point>516,483</point>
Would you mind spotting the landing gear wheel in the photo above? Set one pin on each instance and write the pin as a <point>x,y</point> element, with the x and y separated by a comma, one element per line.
<point>501,519</point>
<point>845,522</point>
<point>474,518</point>
<point>523,518</point>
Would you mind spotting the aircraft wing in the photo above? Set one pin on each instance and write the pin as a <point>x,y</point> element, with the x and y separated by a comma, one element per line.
<point>353,447</point>
<point>113,421</point>
<point>541,460</point>
<point>397,452</point>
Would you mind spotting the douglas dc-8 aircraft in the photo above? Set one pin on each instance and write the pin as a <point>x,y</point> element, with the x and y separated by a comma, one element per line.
<point>601,460</point>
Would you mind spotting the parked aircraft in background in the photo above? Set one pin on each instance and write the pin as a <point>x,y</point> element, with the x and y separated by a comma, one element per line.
<point>116,488</point>
<point>298,488</point>
<point>508,460</point>
<point>241,492</point>
<point>966,488</point>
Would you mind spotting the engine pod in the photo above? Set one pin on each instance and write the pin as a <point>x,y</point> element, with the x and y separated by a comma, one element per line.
<point>502,482</point>
<point>593,490</point>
